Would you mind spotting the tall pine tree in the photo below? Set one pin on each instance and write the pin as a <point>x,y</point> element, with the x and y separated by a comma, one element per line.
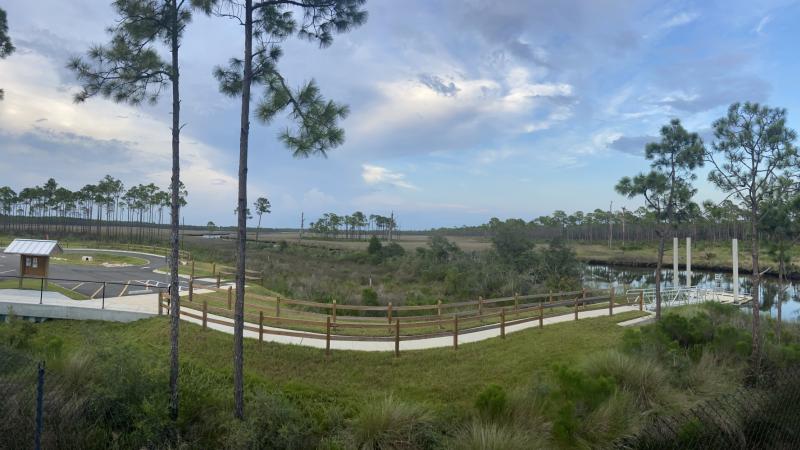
<point>267,25</point>
<point>6,47</point>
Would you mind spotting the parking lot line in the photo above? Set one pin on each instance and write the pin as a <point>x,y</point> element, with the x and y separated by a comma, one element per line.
<point>125,289</point>
<point>77,286</point>
<point>96,292</point>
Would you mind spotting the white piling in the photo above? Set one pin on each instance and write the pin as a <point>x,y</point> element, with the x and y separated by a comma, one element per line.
<point>688,262</point>
<point>735,249</point>
<point>675,262</point>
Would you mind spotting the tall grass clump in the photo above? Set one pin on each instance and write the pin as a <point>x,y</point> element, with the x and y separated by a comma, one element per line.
<point>391,424</point>
<point>642,377</point>
<point>482,435</point>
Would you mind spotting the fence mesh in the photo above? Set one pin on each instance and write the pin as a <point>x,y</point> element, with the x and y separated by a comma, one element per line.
<point>762,416</point>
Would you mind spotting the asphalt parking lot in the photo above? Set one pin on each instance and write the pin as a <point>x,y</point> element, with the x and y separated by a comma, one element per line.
<point>95,281</point>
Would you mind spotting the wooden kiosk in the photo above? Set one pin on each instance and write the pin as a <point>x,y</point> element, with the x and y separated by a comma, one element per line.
<point>34,256</point>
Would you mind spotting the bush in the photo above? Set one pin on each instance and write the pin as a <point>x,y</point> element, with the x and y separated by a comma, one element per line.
<point>272,421</point>
<point>577,394</point>
<point>390,424</point>
<point>491,436</point>
<point>491,402</point>
<point>375,246</point>
<point>643,378</point>
<point>369,297</point>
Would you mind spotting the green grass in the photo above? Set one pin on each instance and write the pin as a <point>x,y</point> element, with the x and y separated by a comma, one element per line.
<point>98,259</point>
<point>35,285</point>
<point>444,379</point>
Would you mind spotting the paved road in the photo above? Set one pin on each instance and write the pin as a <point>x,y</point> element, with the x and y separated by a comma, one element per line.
<point>89,279</point>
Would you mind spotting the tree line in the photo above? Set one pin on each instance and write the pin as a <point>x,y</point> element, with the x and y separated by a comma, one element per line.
<point>106,209</point>
<point>354,226</point>
<point>710,221</point>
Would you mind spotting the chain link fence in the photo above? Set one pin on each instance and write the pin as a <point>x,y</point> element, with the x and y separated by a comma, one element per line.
<point>765,416</point>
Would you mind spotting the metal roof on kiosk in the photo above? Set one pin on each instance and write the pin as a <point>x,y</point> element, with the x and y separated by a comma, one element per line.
<point>33,247</point>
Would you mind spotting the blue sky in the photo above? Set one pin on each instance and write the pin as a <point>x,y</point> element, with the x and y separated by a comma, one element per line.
<point>461,110</point>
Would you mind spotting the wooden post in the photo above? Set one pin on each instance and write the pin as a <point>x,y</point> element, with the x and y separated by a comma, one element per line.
<point>503,323</point>
<point>328,336</point>
<point>641,301</point>
<point>611,302</point>
<point>455,331</point>
<point>230,296</point>
<point>334,311</point>
<point>480,305</point>
<point>397,337</point>
<point>389,312</point>
<point>439,312</point>
<point>261,326</point>
<point>160,299</point>
<point>550,297</point>
<point>219,281</point>
<point>516,305</point>
<point>541,314</point>
<point>191,289</point>
<point>205,314</point>
<point>576,308</point>
<point>277,306</point>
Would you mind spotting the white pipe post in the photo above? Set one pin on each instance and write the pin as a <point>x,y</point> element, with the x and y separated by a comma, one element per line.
<point>675,263</point>
<point>688,262</point>
<point>735,249</point>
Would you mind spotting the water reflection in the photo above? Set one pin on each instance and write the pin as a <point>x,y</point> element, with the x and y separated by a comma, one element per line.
<point>621,277</point>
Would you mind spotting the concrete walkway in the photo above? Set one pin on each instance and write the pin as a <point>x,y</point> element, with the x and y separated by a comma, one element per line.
<point>134,307</point>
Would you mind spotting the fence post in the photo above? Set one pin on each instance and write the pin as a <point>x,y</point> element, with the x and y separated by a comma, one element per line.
<point>261,326</point>
<point>455,331</point>
<point>397,337</point>
<point>160,299</point>
<point>480,305</point>
<point>205,314</point>
<point>641,300</point>
<point>191,289</point>
<point>278,306</point>
<point>611,302</point>
<point>334,311</point>
<point>41,292</point>
<point>103,302</point>
<point>541,314</point>
<point>328,336</point>
<point>439,312</point>
<point>550,297</point>
<point>503,323</point>
<point>37,438</point>
<point>576,308</point>
<point>219,281</point>
<point>230,296</point>
<point>516,305</point>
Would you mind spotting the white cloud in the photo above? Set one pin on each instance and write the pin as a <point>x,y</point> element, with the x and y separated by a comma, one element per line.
<point>762,23</point>
<point>38,104</point>
<point>375,175</point>
<point>680,19</point>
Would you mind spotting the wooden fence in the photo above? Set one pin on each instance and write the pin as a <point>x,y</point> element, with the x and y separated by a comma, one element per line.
<point>445,320</point>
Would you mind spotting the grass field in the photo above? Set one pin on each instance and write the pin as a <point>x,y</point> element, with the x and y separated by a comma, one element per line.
<point>444,379</point>
<point>35,285</point>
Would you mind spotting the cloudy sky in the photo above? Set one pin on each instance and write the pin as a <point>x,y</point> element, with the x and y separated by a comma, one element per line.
<point>460,109</point>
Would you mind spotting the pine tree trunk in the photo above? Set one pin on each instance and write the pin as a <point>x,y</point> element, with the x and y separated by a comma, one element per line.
<point>238,316</point>
<point>756,343</point>
<point>175,307</point>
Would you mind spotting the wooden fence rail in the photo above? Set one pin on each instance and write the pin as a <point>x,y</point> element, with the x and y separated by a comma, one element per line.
<point>454,324</point>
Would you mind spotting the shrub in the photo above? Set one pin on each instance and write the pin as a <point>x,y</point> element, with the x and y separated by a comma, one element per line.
<point>273,421</point>
<point>375,246</point>
<point>492,436</point>
<point>369,297</point>
<point>642,377</point>
<point>577,394</point>
<point>390,424</point>
<point>491,402</point>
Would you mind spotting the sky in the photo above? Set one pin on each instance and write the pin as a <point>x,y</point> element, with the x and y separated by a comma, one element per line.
<point>460,110</point>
